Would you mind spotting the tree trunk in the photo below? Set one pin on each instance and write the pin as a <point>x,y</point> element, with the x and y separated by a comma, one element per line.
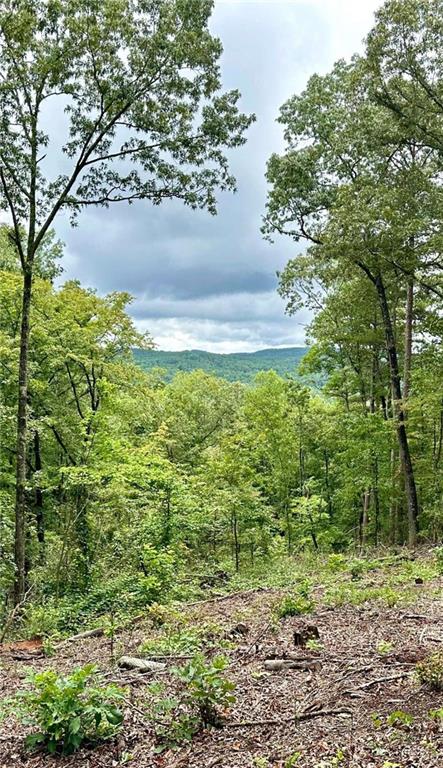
<point>236,542</point>
<point>22,434</point>
<point>405,455</point>
<point>39,517</point>
<point>408,341</point>
<point>364,520</point>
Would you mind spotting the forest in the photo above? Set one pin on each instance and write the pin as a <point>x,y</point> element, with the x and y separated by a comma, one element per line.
<point>271,531</point>
<point>233,366</point>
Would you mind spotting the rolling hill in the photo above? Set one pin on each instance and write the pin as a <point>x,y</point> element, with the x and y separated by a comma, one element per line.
<point>236,366</point>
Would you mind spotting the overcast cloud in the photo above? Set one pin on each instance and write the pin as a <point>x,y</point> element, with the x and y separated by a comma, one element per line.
<point>204,282</point>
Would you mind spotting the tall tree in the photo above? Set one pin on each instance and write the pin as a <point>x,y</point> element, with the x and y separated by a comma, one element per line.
<point>349,183</point>
<point>144,118</point>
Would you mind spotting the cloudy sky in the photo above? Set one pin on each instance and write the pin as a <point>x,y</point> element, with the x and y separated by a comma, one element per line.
<point>204,282</point>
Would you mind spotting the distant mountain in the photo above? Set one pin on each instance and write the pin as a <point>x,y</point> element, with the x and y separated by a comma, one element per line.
<point>236,366</point>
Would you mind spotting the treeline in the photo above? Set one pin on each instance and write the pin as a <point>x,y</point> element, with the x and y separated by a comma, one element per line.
<point>130,478</point>
<point>234,366</point>
<point>360,183</point>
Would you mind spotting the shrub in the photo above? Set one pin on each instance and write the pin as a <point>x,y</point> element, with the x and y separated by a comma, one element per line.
<point>207,689</point>
<point>336,563</point>
<point>183,639</point>
<point>205,692</point>
<point>69,710</point>
<point>296,603</point>
<point>430,671</point>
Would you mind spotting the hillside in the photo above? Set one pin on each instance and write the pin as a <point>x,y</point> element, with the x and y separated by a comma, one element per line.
<point>237,366</point>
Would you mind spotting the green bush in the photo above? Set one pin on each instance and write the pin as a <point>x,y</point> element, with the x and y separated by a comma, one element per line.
<point>430,671</point>
<point>69,710</point>
<point>295,603</point>
<point>207,690</point>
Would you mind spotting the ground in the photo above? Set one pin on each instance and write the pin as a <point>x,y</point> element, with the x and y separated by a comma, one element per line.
<point>374,627</point>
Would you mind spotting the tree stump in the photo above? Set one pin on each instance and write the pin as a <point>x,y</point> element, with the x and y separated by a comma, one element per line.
<point>305,633</point>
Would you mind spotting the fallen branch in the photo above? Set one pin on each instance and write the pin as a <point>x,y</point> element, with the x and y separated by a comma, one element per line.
<point>141,665</point>
<point>276,665</point>
<point>303,716</point>
<point>220,598</point>
<point>369,684</point>
<point>98,632</point>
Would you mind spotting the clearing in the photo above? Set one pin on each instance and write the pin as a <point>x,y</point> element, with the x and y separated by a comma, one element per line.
<point>356,704</point>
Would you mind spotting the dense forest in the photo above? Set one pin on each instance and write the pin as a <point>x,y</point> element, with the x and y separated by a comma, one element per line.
<point>233,366</point>
<point>124,486</point>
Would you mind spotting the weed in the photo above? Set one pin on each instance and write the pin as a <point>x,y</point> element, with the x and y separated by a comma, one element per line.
<point>295,603</point>
<point>185,639</point>
<point>68,710</point>
<point>400,718</point>
<point>205,692</point>
<point>292,760</point>
<point>314,645</point>
<point>207,689</point>
<point>430,671</point>
<point>384,647</point>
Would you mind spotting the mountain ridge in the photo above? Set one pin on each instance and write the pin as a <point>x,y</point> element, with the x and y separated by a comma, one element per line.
<point>233,366</point>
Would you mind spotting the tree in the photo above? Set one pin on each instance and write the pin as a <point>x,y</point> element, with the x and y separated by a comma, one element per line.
<point>139,84</point>
<point>349,183</point>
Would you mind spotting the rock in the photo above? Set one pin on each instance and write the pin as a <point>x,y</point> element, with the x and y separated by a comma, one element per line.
<point>142,665</point>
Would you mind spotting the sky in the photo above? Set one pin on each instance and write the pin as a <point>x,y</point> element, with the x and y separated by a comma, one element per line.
<point>204,282</point>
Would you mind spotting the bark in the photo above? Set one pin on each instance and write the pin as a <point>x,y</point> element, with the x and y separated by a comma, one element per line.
<point>408,340</point>
<point>22,433</point>
<point>405,455</point>
<point>376,500</point>
<point>364,520</point>
<point>236,542</point>
<point>39,515</point>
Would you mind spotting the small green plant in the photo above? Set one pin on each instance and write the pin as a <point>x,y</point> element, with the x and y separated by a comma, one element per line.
<point>376,720</point>
<point>336,563</point>
<point>384,647</point>
<point>295,603</point>
<point>314,645</point>
<point>356,569</point>
<point>207,689</point>
<point>292,760</point>
<point>205,692</point>
<point>400,718</point>
<point>260,762</point>
<point>68,710</point>
<point>430,671</point>
<point>332,762</point>
<point>177,639</point>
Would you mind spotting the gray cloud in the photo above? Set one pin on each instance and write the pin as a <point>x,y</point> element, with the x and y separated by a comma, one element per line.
<point>209,282</point>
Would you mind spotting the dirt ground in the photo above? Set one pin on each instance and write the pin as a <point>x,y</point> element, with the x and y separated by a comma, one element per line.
<point>343,706</point>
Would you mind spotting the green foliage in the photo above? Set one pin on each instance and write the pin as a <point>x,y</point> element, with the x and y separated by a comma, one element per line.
<point>430,671</point>
<point>400,719</point>
<point>205,692</point>
<point>235,366</point>
<point>69,710</point>
<point>206,687</point>
<point>384,647</point>
<point>177,637</point>
<point>296,603</point>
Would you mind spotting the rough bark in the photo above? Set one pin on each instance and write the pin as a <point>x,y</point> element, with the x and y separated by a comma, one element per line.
<point>22,429</point>
<point>405,455</point>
